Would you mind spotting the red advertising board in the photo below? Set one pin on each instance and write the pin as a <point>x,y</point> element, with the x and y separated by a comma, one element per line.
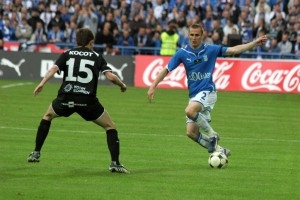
<point>229,75</point>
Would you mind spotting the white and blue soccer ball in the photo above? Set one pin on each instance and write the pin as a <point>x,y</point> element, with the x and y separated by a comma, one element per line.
<point>218,160</point>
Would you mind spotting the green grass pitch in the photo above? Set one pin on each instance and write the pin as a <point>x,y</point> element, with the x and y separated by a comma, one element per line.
<point>261,129</point>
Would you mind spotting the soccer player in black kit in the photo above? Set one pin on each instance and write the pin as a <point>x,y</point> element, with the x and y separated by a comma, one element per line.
<point>77,94</point>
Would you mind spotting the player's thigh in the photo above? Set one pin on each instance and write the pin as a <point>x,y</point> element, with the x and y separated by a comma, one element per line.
<point>60,108</point>
<point>207,100</point>
<point>105,121</point>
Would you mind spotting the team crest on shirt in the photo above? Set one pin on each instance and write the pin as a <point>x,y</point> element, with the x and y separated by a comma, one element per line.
<point>68,88</point>
<point>205,58</point>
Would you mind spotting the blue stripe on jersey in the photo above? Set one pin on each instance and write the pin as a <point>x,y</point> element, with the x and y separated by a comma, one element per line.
<point>199,65</point>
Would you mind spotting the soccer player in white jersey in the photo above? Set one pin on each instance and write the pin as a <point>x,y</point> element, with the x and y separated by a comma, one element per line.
<point>199,62</point>
<point>77,94</point>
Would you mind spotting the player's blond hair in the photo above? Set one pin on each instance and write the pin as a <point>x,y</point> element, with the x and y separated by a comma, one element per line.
<point>197,26</point>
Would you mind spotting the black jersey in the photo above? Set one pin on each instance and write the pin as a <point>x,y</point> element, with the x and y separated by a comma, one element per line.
<point>81,67</point>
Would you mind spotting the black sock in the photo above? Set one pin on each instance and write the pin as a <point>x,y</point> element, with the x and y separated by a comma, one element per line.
<point>113,144</point>
<point>41,134</point>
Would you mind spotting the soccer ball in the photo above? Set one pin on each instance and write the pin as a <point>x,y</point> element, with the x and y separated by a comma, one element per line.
<point>217,160</point>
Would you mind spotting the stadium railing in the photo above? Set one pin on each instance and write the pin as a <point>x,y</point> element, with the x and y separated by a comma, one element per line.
<point>134,50</point>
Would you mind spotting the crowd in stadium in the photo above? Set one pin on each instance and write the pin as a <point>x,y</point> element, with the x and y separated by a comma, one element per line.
<point>141,23</point>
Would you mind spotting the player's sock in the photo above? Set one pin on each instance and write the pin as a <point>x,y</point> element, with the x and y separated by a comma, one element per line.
<point>202,123</point>
<point>113,144</point>
<point>202,139</point>
<point>41,134</point>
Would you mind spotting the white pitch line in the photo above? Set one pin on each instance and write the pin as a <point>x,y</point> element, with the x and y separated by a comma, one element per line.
<point>15,85</point>
<point>149,134</point>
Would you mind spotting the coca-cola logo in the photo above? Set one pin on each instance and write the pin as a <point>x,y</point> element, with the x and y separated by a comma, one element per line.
<point>256,78</point>
<point>176,78</point>
<point>220,77</point>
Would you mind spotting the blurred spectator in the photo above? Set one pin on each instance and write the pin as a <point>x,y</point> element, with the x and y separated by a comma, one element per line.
<point>65,15</point>
<point>261,50</point>
<point>285,45</point>
<point>293,29</point>
<point>230,27</point>
<point>180,4</point>
<point>217,28</point>
<point>156,42</point>
<point>56,34</point>
<point>159,10</point>
<point>57,20</point>
<point>208,20</point>
<point>274,48</point>
<point>163,20</point>
<point>127,41</point>
<point>297,46</point>
<point>71,32</point>
<point>87,18</point>
<point>1,40</point>
<point>104,36</point>
<point>261,15</point>
<point>23,31</point>
<point>274,29</point>
<point>150,19</point>
<point>262,4</point>
<point>110,50</point>
<point>46,15</point>
<point>181,20</point>
<point>110,18</point>
<point>246,32</point>
<point>169,40</point>
<point>234,10</point>
<point>39,35</point>
<point>35,16</point>
<point>276,11</point>
<point>261,25</point>
<point>191,11</point>
<point>216,39</point>
<point>8,31</point>
<point>142,40</point>
<point>173,14</point>
<point>206,39</point>
<point>136,23</point>
<point>225,18</point>
<point>53,5</point>
<point>124,10</point>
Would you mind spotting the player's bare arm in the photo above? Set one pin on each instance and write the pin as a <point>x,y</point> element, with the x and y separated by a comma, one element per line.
<point>163,73</point>
<point>115,80</point>
<point>50,73</point>
<point>245,47</point>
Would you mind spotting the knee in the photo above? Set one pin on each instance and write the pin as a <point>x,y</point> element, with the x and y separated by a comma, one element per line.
<point>191,135</point>
<point>48,116</point>
<point>190,113</point>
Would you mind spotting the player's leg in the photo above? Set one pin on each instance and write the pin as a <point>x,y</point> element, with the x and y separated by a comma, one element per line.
<point>41,135</point>
<point>198,110</point>
<point>113,141</point>
<point>194,133</point>
<point>193,111</point>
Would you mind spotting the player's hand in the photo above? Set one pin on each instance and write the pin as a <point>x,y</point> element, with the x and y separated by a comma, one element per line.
<point>123,87</point>
<point>38,89</point>
<point>261,40</point>
<point>150,94</point>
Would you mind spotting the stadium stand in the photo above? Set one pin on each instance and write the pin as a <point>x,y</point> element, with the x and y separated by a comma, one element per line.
<point>227,22</point>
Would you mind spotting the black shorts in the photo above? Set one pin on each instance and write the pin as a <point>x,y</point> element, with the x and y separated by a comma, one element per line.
<point>89,108</point>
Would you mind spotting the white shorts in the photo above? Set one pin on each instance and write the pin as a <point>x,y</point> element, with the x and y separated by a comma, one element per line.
<point>208,100</point>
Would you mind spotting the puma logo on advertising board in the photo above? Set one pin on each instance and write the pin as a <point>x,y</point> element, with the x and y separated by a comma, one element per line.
<point>8,63</point>
<point>119,72</point>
